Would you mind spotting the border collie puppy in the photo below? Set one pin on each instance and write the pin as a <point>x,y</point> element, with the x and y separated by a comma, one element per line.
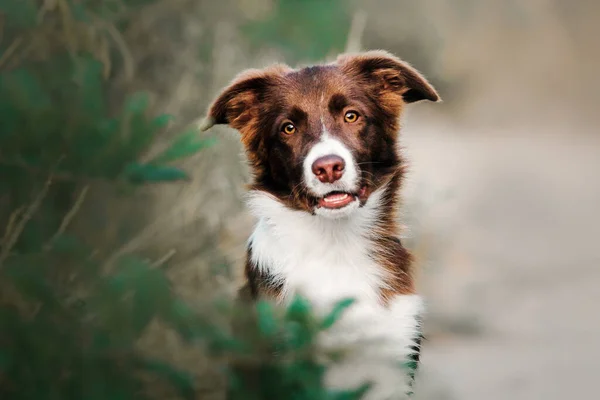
<point>322,142</point>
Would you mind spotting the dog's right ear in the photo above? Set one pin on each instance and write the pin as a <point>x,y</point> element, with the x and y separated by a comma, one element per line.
<point>390,75</point>
<point>237,105</point>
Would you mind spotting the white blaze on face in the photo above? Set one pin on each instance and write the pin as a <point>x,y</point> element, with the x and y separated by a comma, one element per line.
<point>331,146</point>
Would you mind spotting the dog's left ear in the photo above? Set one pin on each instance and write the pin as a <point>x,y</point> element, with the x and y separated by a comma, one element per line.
<point>237,105</point>
<point>388,73</point>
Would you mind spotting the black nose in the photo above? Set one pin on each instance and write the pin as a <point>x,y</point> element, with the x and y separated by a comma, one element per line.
<point>329,169</point>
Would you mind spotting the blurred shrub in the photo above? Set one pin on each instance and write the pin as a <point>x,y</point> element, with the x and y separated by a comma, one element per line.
<point>72,316</point>
<point>70,319</point>
<point>303,29</point>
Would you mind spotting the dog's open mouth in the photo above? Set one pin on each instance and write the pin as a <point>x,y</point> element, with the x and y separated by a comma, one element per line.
<point>337,199</point>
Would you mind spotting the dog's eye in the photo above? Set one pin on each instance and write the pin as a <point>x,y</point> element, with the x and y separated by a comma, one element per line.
<point>288,128</point>
<point>351,116</point>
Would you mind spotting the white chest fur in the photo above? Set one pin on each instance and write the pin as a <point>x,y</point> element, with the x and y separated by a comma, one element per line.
<point>322,260</point>
<point>327,260</point>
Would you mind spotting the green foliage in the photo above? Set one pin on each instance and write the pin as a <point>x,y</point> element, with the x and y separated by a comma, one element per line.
<point>303,29</point>
<point>21,13</point>
<point>188,143</point>
<point>70,320</point>
<point>280,355</point>
<point>80,136</point>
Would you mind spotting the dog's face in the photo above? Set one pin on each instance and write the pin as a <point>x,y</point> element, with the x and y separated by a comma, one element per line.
<point>323,138</point>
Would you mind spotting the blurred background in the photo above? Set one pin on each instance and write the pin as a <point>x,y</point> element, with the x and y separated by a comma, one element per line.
<point>501,201</point>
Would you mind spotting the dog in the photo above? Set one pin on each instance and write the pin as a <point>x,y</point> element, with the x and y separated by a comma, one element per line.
<point>322,143</point>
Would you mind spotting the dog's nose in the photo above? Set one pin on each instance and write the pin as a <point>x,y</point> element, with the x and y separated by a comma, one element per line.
<point>329,169</point>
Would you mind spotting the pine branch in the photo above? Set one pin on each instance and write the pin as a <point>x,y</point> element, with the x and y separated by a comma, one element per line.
<point>13,235</point>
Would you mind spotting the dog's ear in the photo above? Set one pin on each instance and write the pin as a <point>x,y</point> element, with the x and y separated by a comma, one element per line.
<point>238,103</point>
<point>389,74</point>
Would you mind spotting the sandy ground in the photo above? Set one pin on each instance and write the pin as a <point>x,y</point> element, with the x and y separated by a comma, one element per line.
<point>513,293</point>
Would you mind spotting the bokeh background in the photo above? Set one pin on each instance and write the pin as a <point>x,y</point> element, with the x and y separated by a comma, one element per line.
<point>501,202</point>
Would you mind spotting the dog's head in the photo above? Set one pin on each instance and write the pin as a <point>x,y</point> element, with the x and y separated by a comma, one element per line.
<point>323,138</point>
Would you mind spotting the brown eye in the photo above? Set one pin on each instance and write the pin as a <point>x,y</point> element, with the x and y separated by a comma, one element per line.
<point>351,116</point>
<point>288,128</point>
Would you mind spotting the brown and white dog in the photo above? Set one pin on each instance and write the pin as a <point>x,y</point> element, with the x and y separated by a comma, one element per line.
<point>322,142</point>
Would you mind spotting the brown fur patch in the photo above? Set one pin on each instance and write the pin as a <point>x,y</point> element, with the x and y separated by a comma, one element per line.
<point>260,284</point>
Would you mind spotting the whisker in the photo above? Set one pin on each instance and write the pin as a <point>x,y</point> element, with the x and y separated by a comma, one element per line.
<point>369,162</point>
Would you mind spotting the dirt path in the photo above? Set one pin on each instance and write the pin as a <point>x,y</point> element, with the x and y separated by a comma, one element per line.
<point>521,264</point>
